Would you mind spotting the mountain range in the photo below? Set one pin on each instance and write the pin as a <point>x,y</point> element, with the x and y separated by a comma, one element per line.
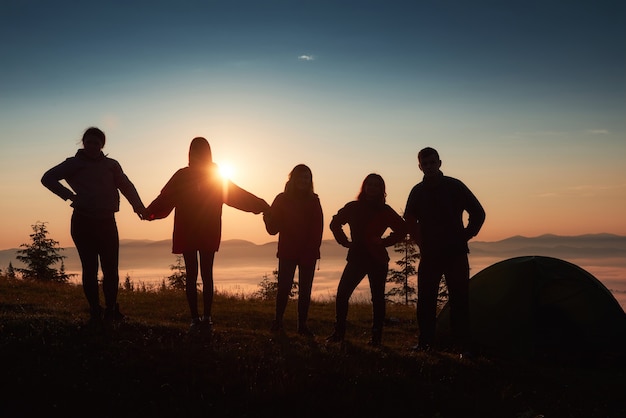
<point>143,254</point>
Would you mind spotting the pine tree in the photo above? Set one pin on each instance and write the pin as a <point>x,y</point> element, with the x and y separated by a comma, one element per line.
<point>11,274</point>
<point>40,256</point>
<point>178,279</point>
<point>269,287</point>
<point>401,277</point>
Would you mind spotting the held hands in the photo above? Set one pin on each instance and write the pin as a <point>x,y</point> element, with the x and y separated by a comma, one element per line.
<point>264,209</point>
<point>143,214</point>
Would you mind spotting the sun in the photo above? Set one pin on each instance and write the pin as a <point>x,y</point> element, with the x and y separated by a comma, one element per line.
<point>226,170</point>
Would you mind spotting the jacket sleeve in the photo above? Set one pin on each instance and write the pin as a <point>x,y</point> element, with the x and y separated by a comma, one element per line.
<point>52,179</point>
<point>413,227</point>
<point>336,226</point>
<point>476,215</point>
<point>318,231</point>
<point>398,227</point>
<point>272,217</point>
<point>127,188</point>
<point>241,199</point>
<point>165,202</point>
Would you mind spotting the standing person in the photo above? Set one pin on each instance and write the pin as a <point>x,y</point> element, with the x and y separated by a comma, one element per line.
<point>296,216</point>
<point>198,193</point>
<point>368,218</point>
<point>95,181</point>
<point>434,212</point>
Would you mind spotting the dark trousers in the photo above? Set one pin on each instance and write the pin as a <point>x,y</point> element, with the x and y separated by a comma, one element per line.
<point>455,270</point>
<point>206,273</point>
<point>286,273</point>
<point>97,241</point>
<point>352,275</point>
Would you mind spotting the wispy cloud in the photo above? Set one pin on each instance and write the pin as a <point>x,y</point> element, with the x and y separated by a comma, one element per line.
<point>598,131</point>
<point>306,58</point>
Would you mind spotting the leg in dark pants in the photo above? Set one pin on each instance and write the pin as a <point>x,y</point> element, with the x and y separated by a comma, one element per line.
<point>377,275</point>
<point>84,237</point>
<point>457,279</point>
<point>206,271</point>
<point>97,240</point>
<point>306,272</point>
<point>109,249</point>
<point>286,272</point>
<point>350,279</point>
<point>191,289</point>
<point>429,275</point>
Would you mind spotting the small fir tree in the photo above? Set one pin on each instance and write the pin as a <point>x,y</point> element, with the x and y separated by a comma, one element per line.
<point>128,284</point>
<point>178,279</point>
<point>269,287</point>
<point>40,256</point>
<point>11,274</point>
<point>400,278</point>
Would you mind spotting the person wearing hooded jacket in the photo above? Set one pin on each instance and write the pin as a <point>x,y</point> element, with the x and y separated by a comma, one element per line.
<point>95,181</point>
<point>296,216</point>
<point>197,193</point>
<point>368,218</point>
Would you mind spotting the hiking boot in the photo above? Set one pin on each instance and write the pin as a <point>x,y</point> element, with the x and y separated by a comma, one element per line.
<point>421,348</point>
<point>277,326</point>
<point>335,337</point>
<point>305,331</point>
<point>195,324</point>
<point>377,336</point>
<point>95,313</point>
<point>113,314</point>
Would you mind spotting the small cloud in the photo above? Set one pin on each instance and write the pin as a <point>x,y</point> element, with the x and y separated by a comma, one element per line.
<point>306,58</point>
<point>598,131</point>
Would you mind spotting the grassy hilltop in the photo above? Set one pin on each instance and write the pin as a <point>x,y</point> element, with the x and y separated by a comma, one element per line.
<point>149,366</point>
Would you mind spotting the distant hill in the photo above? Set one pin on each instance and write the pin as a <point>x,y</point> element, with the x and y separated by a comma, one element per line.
<point>581,246</point>
<point>139,254</point>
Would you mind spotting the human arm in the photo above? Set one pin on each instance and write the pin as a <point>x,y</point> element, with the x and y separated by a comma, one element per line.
<point>398,227</point>
<point>476,217</point>
<point>336,226</point>
<point>241,199</point>
<point>127,188</point>
<point>272,217</point>
<point>412,224</point>
<point>165,202</point>
<point>52,180</point>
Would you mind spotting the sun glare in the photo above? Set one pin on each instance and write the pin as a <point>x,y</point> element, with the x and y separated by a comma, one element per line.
<point>226,170</point>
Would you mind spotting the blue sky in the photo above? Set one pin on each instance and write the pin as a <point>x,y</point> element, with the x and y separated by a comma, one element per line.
<point>526,102</point>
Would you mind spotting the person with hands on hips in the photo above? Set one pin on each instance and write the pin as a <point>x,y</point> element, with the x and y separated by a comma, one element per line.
<point>95,181</point>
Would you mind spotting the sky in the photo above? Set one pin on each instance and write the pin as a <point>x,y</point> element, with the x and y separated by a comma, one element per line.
<point>524,100</point>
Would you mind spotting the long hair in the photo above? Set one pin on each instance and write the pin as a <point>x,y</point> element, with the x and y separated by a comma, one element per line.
<point>290,187</point>
<point>382,197</point>
<point>200,152</point>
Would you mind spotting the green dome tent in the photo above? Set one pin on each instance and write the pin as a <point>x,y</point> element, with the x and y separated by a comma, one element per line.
<point>534,305</point>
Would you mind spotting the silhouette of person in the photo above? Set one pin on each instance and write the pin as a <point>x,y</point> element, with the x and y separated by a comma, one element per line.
<point>296,216</point>
<point>197,192</point>
<point>95,181</point>
<point>434,212</point>
<point>368,218</point>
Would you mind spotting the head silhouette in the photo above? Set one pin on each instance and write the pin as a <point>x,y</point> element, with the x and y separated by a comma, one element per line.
<point>429,162</point>
<point>200,152</point>
<point>94,134</point>
<point>300,180</point>
<point>373,189</point>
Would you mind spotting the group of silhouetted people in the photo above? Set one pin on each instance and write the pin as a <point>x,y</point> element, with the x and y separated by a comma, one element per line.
<point>196,193</point>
